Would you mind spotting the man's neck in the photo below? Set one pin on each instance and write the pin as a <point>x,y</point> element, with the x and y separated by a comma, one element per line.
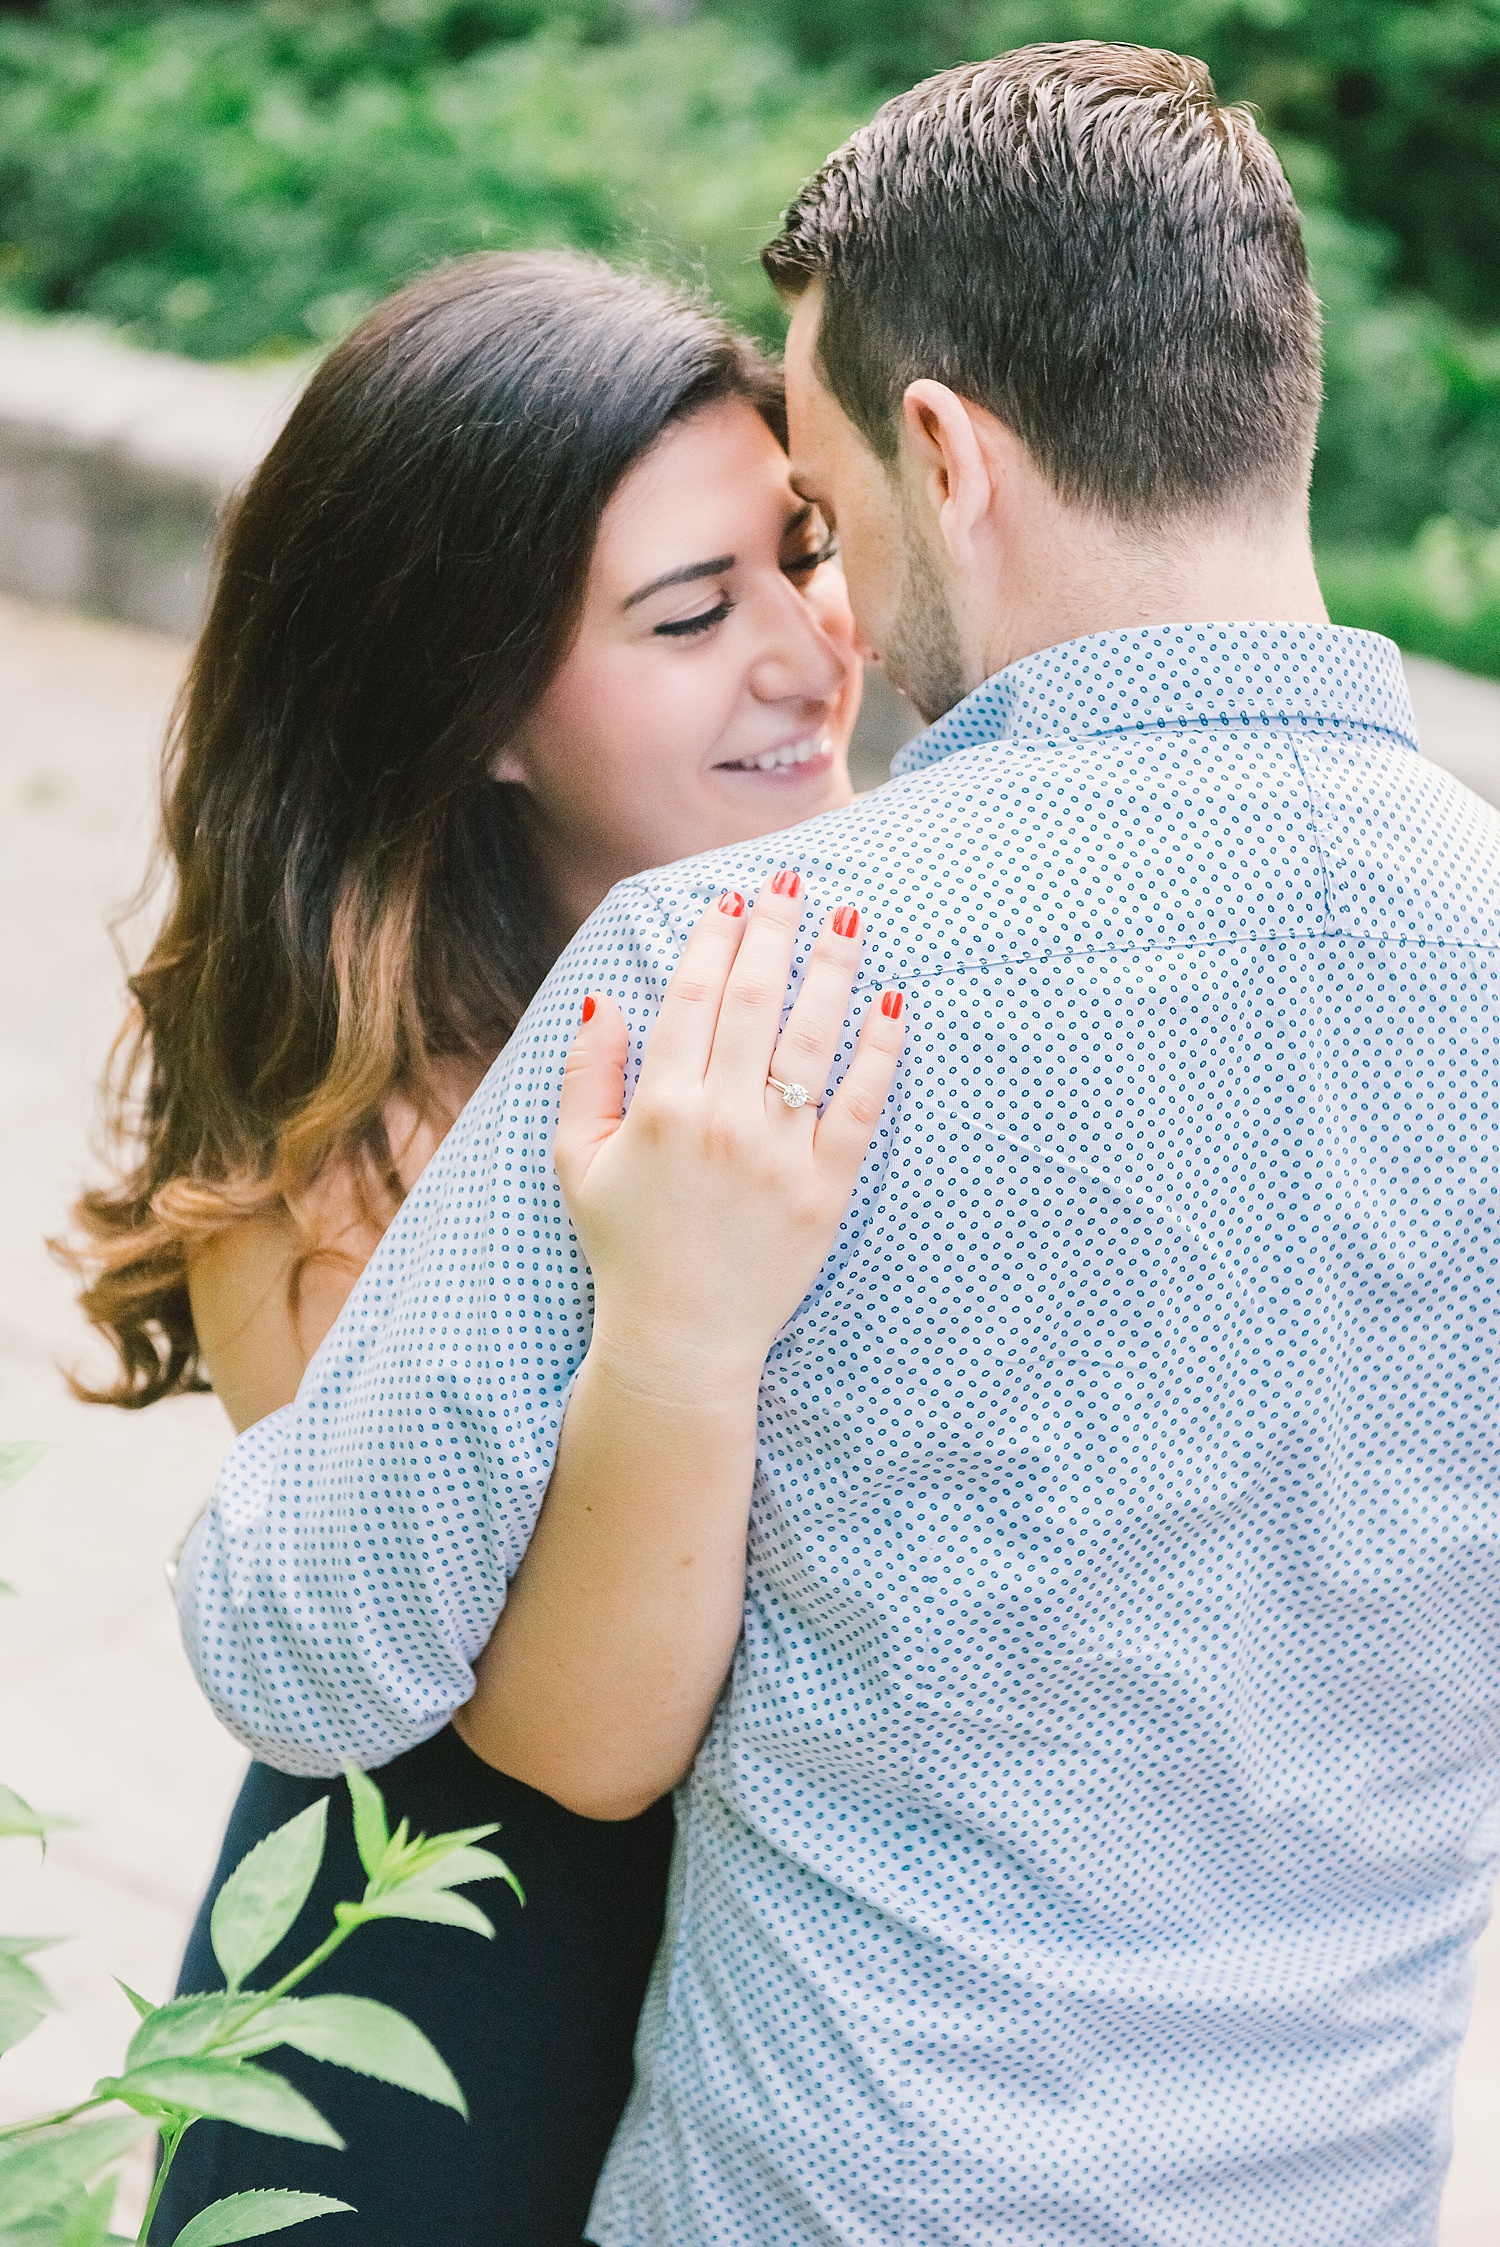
<point>1105,579</point>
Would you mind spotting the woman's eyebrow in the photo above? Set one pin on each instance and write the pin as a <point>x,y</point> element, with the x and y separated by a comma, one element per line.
<point>688,576</point>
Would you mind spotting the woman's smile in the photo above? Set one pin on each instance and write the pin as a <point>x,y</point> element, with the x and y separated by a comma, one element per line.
<point>804,762</point>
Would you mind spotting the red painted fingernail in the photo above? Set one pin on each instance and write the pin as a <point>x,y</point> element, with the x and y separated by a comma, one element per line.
<point>787,883</point>
<point>732,903</point>
<point>891,1005</point>
<point>846,921</point>
<point>588,1010</point>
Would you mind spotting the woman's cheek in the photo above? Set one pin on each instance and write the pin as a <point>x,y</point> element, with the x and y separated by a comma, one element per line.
<point>828,598</point>
<point>691,712</point>
<point>633,708</point>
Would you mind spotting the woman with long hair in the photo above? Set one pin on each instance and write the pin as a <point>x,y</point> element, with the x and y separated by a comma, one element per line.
<point>520,603</point>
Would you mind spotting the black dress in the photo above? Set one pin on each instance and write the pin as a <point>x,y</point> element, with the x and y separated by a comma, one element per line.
<point>537,2025</point>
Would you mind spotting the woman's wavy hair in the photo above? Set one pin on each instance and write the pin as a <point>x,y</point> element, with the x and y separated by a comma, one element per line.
<point>353,896</point>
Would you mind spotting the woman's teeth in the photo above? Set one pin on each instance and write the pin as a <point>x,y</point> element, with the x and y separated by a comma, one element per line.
<point>776,760</point>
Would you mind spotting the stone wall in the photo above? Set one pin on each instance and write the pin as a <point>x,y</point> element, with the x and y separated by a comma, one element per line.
<point>115,465</point>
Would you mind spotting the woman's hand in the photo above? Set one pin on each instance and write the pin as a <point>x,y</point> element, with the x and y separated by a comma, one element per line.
<point>705,1213</point>
<point>708,1210</point>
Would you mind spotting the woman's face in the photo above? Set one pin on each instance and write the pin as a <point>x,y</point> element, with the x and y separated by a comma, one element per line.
<point>713,685</point>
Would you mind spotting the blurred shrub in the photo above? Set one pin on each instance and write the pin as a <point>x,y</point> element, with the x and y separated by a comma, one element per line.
<point>1411,426</point>
<point>1440,596</point>
<point>228,180</point>
<point>236,176</point>
<point>1402,98</point>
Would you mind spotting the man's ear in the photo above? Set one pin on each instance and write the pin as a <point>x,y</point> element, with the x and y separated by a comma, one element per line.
<point>951,467</point>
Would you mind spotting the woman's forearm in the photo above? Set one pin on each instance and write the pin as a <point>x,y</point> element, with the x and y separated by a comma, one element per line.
<point>623,1618</point>
<point>705,1212</point>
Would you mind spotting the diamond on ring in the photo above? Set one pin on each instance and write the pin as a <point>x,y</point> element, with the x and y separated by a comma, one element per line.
<point>792,1095</point>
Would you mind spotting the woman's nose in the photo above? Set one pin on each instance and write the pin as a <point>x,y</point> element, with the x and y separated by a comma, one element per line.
<point>805,656</point>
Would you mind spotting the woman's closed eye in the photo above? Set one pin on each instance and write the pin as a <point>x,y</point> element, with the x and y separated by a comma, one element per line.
<point>685,627</point>
<point>801,566</point>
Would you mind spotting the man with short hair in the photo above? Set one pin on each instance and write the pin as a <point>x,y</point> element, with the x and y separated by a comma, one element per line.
<point>1054,363</point>
<point>1091,1844</point>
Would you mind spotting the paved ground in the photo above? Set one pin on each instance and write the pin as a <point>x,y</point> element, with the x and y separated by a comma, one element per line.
<point>98,1714</point>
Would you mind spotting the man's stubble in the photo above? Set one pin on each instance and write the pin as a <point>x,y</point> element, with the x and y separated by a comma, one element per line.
<point>922,654</point>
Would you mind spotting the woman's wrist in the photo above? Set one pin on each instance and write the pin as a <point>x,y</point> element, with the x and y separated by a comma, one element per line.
<point>671,1366</point>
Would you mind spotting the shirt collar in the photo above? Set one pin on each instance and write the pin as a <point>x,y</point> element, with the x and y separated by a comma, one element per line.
<point>1310,676</point>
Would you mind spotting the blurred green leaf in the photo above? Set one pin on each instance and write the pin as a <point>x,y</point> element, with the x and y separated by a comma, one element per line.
<point>16,1459</point>
<point>371,1833</point>
<point>459,1866</point>
<point>229,2090</point>
<point>184,2027</point>
<point>250,2215</point>
<point>17,1818</point>
<point>81,2220</point>
<point>18,2017</point>
<point>38,2174</point>
<point>143,2005</point>
<point>448,1861</point>
<point>445,1860</point>
<point>357,2033</point>
<point>24,1996</point>
<point>262,1897</point>
<point>88,2224</point>
<point>438,1907</point>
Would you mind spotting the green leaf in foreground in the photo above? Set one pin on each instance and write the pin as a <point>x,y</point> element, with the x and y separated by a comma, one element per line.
<point>24,1996</point>
<point>40,2174</point>
<point>143,2005</point>
<point>18,1819</point>
<point>371,1832</point>
<point>250,2215</point>
<point>446,1860</point>
<point>82,2220</point>
<point>16,1459</point>
<point>267,1889</point>
<point>437,1906</point>
<point>87,2225</point>
<point>456,1867</point>
<point>186,2026</point>
<point>227,2090</point>
<point>18,2017</point>
<point>357,2033</point>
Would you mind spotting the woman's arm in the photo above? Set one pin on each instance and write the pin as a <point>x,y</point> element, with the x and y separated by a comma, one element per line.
<point>706,1215</point>
<point>623,1618</point>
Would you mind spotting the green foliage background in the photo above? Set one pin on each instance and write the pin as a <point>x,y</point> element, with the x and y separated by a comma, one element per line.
<point>232,177</point>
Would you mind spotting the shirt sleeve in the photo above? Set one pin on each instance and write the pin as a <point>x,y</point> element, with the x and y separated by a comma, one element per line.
<point>355,1554</point>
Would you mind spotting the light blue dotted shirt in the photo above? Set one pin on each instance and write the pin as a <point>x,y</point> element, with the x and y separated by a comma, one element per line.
<point>1090,1842</point>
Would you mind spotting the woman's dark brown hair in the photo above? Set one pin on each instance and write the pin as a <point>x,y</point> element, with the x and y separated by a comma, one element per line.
<point>355,898</point>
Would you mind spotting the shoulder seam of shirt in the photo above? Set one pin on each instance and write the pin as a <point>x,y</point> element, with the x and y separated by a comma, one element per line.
<point>953,971</point>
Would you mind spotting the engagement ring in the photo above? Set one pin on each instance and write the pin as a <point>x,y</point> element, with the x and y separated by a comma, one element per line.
<point>792,1095</point>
